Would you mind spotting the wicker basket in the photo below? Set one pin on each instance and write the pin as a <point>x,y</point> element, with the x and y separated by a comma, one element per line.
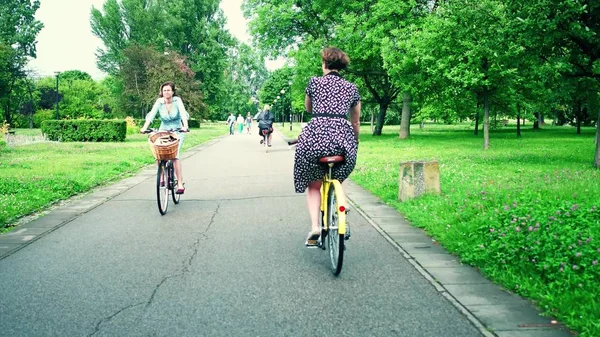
<point>164,145</point>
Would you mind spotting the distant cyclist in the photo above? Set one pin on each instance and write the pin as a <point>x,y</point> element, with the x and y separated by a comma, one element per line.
<point>265,122</point>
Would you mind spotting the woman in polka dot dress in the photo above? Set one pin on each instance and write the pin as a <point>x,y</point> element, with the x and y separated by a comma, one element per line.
<point>329,98</point>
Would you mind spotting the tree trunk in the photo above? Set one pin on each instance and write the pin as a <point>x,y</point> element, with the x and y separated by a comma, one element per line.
<point>486,120</point>
<point>476,131</point>
<point>597,156</point>
<point>405,119</point>
<point>372,120</point>
<point>536,124</point>
<point>380,119</point>
<point>518,120</point>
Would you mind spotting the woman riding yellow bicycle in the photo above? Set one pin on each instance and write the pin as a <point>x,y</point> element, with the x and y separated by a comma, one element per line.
<point>329,133</point>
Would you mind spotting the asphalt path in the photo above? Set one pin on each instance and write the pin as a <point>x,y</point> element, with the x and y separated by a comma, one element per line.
<point>229,260</point>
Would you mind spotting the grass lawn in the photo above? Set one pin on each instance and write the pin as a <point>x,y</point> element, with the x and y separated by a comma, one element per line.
<point>526,211</point>
<point>35,173</point>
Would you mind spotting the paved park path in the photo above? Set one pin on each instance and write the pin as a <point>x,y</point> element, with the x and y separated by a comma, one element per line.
<point>229,260</point>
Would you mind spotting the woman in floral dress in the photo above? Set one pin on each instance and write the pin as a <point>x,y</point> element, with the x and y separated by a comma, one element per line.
<point>329,98</point>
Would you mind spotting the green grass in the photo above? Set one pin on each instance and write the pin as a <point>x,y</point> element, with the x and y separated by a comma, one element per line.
<point>526,211</point>
<point>34,175</point>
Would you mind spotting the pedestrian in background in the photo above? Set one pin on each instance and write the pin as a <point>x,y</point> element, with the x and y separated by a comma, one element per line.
<point>231,122</point>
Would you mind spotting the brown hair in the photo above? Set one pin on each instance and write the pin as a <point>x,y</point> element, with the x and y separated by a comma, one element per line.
<point>170,84</point>
<point>334,58</point>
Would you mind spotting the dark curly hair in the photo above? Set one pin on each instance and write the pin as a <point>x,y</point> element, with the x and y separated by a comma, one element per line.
<point>334,58</point>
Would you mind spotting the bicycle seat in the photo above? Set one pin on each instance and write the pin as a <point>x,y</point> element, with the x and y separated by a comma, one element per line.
<point>331,159</point>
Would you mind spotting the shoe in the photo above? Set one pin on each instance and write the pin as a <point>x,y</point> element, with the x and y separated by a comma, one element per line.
<point>262,141</point>
<point>180,190</point>
<point>312,239</point>
<point>162,184</point>
<point>269,145</point>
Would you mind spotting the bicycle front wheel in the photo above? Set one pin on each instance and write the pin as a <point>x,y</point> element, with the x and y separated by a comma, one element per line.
<point>335,241</point>
<point>162,190</point>
<point>173,183</point>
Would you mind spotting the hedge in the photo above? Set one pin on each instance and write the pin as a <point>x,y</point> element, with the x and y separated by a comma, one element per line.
<point>85,130</point>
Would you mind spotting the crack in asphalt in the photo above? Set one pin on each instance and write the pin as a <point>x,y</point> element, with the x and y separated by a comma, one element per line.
<point>186,268</point>
<point>109,318</point>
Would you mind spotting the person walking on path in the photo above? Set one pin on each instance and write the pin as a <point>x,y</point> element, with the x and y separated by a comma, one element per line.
<point>240,123</point>
<point>173,116</point>
<point>230,122</point>
<point>248,123</point>
<point>329,98</point>
<point>265,122</point>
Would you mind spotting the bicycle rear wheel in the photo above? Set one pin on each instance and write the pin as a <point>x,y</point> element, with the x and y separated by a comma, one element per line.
<point>335,241</point>
<point>162,190</point>
<point>173,182</point>
<point>265,142</point>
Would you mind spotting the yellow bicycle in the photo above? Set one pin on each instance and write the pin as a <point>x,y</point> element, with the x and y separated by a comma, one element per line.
<point>334,228</point>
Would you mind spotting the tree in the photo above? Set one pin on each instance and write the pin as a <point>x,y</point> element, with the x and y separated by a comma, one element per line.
<point>566,34</point>
<point>144,70</point>
<point>18,30</point>
<point>193,29</point>
<point>301,28</point>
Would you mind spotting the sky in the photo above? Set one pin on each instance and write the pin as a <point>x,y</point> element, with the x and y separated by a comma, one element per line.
<point>66,42</point>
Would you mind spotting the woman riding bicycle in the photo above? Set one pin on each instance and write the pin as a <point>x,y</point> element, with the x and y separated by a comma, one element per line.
<point>265,122</point>
<point>329,98</point>
<point>173,116</point>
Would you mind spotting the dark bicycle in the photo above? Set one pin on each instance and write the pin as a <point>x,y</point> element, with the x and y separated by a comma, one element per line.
<point>166,181</point>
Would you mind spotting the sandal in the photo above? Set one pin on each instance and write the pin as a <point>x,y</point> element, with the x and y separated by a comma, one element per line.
<point>312,239</point>
<point>180,190</point>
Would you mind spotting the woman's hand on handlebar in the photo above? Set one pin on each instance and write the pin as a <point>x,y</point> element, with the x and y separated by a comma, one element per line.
<point>293,141</point>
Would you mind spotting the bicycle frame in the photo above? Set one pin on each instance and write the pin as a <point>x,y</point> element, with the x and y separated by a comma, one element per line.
<point>339,195</point>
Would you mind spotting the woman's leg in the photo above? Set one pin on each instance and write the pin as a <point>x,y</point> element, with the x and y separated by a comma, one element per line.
<point>178,173</point>
<point>313,203</point>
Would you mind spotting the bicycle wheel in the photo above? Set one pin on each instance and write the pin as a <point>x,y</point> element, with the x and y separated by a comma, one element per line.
<point>266,139</point>
<point>162,190</point>
<point>173,182</point>
<point>335,241</point>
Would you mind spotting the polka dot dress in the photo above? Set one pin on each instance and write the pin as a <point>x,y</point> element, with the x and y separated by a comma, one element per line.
<point>328,133</point>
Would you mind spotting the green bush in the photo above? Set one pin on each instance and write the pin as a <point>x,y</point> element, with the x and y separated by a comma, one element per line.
<point>42,115</point>
<point>85,130</point>
<point>194,123</point>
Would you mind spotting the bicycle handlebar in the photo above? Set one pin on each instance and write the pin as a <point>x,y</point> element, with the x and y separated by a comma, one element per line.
<point>171,130</point>
<point>292,142</point>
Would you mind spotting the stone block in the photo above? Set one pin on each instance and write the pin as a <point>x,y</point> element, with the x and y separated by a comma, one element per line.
<point>417,178</point>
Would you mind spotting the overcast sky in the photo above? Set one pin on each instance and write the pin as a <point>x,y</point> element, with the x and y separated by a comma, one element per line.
<point>66,42</point>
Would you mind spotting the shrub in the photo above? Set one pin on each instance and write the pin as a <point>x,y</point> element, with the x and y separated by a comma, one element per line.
<point>42,115</point>
<point>132,127</point>
<point>83,130</point>
<point>194,123</point>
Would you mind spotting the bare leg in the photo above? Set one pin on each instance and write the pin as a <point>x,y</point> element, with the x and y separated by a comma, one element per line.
<point>178,173</point>
<point>313,203</point>
<point>270,137</point>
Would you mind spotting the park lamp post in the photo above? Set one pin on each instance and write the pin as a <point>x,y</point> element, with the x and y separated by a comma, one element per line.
<point>282,108</point>
<point>278,98</point>
<point>57,73</point>
<point>291,107</point>
<point>255,101</point>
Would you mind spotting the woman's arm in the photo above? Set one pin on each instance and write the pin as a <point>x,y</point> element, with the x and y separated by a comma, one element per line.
<point>308,104</point>
<point>355,119</point>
